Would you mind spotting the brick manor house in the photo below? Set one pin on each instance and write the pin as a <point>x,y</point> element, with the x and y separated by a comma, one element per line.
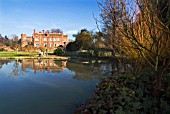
<point>44,39</point>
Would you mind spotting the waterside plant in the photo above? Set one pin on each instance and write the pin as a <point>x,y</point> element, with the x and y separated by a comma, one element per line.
<point>128,93</point>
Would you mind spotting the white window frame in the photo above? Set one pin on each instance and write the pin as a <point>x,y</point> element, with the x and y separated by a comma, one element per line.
<point>37,45</point>
<point>36,39</point>
<point>58,39</point>
<point>45,39</point>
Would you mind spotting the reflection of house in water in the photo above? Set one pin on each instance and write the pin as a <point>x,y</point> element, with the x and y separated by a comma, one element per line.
<point>44,65</point>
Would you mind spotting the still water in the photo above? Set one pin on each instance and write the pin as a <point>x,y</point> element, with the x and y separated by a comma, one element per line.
<point>32,86</point>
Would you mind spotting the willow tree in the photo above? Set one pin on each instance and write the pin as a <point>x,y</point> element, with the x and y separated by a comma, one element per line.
<point>140,28</point>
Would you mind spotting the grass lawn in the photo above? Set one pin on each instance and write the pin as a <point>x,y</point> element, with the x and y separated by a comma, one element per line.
<point>28,55</point>
<point>15,54</point>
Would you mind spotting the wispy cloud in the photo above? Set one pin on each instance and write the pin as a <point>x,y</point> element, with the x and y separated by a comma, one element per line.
<point>26,26</point>
<point>39,24</point>
<point>71,32</point>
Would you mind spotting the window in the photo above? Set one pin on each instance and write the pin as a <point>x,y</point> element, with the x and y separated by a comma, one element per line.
<point>58,39</point>
<point>55,45</point>
<point>45,39</point>
<point>45,45</point>
<point>50,45</point>
<point>51,39</point>
<point>36,39</point>
<point>51,64</point>
<point>36,45</point>
<point>54,39</point>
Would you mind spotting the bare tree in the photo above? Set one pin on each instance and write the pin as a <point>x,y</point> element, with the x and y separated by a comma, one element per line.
<point>140,28</point>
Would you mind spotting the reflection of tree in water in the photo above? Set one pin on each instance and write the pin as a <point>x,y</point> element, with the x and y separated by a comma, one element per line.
<point>86,71</point>
<point>97,69</point>
<point>16,69</point>
<point>19,67</point>
<point>4,61</point>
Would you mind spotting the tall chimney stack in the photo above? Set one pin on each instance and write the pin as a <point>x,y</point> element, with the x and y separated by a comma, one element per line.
<point>34,31</point>
<point>48,31</point>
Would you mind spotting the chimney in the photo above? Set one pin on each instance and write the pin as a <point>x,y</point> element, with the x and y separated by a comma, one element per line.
<point>43,31</point>
<point>23,35</point>
<point>48,31</point>
<point>34,31</point>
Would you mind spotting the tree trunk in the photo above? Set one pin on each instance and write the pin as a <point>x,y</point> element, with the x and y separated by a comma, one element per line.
<point>158,78</point>
<point>158,85</point>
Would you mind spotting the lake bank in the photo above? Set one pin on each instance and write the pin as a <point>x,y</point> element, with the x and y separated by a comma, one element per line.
<point>37,57</point>
<point>28,55</point>
<point>128,92</point>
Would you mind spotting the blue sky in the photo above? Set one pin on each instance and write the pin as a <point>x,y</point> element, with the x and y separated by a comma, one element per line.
<point>22,16</point>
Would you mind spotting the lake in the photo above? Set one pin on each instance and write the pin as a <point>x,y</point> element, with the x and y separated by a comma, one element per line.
<point>47,86</point>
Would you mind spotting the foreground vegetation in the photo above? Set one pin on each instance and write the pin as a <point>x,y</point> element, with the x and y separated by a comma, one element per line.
<point>128,93</point>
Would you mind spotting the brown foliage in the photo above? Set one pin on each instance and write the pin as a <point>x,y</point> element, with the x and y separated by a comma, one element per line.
<point>137,28</point>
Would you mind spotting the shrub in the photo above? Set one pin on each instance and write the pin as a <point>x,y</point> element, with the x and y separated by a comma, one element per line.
<point>2,49</point>
<point>42,49</point>
<point>58,51</point>
<point>126,93</point>
<point>73,46</point>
